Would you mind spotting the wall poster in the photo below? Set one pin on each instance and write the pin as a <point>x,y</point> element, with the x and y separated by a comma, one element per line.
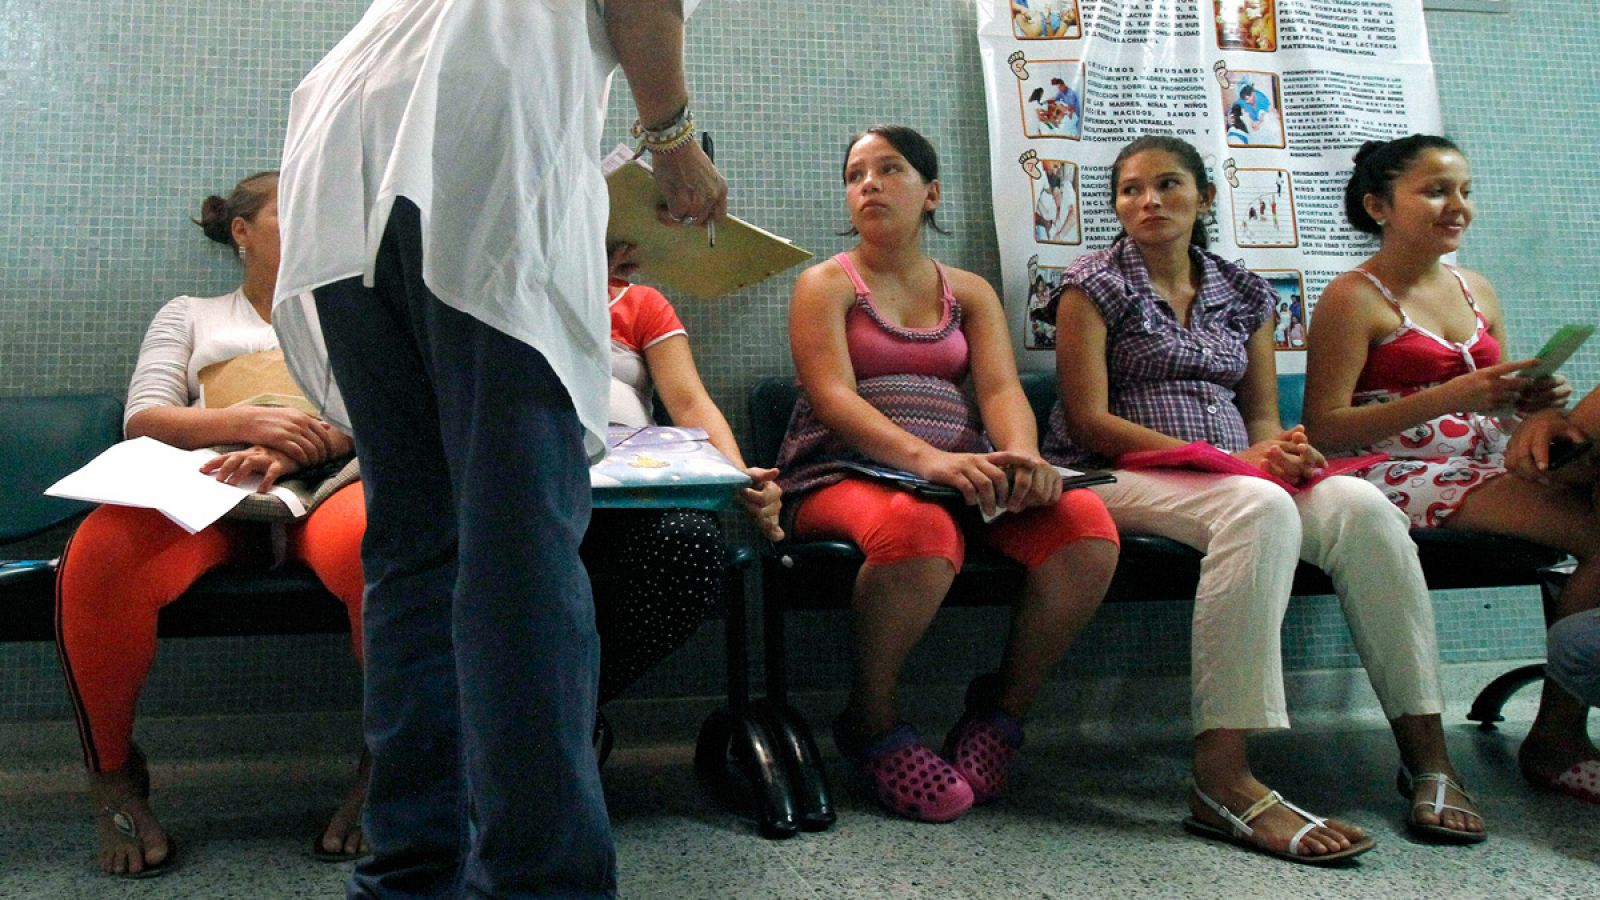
<point>1276,94</point>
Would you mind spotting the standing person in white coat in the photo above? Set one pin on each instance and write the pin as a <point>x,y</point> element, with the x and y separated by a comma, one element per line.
<point>442,199</point>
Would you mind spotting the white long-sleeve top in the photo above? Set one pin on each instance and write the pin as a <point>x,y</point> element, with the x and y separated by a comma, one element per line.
<point>186,335</point>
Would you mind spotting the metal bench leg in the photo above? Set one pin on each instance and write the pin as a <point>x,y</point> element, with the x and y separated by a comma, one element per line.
<point>809,779</point>
<point>739,754</point>
<point>741,749</point>
<point>1487,705</point>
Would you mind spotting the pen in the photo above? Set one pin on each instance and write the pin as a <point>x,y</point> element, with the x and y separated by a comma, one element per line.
<point>710,148</point>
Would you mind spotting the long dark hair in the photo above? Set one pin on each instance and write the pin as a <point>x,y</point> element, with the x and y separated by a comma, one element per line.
<point>1187,156</point>
<point>1377,165</point>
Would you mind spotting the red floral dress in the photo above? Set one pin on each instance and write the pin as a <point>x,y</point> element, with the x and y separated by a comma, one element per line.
<point>1433,465</point>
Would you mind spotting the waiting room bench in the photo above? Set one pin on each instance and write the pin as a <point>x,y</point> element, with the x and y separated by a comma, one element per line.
<point>760,749</point>
<point>813,575</point>
<point>43,438</point>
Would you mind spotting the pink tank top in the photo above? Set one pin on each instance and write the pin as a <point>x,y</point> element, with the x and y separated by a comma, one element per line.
<point>880,347</point>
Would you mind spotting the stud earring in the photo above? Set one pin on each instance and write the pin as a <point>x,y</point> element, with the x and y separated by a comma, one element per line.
<point>1381,223</point>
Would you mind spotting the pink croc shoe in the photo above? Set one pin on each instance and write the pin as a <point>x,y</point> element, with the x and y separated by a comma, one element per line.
<point>981,747</point>
<point>910,779</point>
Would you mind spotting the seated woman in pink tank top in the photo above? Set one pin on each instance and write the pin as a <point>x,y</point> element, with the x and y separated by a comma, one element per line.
<point>1405,360</point>
<point>906,363</point>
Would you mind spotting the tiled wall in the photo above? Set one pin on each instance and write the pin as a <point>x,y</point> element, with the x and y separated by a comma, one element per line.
<point>117,116</point>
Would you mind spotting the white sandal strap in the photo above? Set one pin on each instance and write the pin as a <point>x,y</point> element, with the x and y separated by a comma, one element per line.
<point>1315,820</point>
<point>1240,826</point>
<point>1241,823</point>
<point>1442,783</point>
<point>1312,822</point>
<point>1294,842</point>
<point>1438,809</point>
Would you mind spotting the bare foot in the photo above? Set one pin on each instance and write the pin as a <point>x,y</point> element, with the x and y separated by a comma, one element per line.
<point>131,839</point>
<point>1276,826</point>
<point>343,836</point>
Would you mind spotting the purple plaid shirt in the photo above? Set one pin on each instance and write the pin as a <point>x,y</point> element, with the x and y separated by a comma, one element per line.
<point>1178,381</point>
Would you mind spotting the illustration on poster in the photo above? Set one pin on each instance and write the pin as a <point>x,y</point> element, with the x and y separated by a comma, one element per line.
<point>1251,108</point>
<point>1018,64</point>
<point>1030,162</point>
<point>1039,332</point>
<point>1055,202</point>
<point>1055,107</point>
<point>1260,218</point>
<point>1246,25</point>
<point>1289,323</point>
<point>1045,19</point>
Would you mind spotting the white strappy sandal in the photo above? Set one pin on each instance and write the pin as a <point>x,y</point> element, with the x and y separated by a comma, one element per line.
<point>1239,831</point>
<point>1406,784</point>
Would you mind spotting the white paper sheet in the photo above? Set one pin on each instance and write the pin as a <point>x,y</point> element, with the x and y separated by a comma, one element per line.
<point>146,473</point>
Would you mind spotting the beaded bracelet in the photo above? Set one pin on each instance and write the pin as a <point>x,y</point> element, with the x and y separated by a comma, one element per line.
<point>671,137</point>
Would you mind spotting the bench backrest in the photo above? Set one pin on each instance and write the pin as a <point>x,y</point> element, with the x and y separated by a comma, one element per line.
<point>41,440</point>
<point>773,398</point>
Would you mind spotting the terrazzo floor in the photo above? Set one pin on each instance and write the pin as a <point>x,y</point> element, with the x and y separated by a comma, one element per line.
<point>1089,814</point>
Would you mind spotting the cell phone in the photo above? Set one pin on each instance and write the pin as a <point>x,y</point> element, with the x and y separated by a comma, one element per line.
<point>1564,450</point>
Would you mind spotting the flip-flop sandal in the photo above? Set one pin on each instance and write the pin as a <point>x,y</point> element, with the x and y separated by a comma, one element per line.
<point>1581,781</point>
<point>1406,784</point>
<point>129,829</point>
<point>1239,831</point>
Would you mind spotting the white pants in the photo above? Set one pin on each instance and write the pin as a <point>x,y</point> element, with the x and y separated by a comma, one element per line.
<point>1253,533</point>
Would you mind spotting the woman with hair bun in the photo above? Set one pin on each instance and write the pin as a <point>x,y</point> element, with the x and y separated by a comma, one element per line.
<point>124,564</point>
<point>1160,344</point>
<point>1405,360</point>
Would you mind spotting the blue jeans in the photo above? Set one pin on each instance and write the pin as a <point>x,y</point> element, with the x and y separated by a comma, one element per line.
<point>481,652</point>
<point>1574,661</point>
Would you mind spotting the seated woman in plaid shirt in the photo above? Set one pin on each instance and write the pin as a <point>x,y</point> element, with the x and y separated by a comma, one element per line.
<point>1159,344</point>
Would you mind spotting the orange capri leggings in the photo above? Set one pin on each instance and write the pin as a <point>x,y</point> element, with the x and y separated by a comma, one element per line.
<point>891,525</point>
<point>124,564</point>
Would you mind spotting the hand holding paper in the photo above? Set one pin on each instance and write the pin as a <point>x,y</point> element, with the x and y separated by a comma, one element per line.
<point>147,473</point>
<point>260,466</point>
<point>1490,390</point>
